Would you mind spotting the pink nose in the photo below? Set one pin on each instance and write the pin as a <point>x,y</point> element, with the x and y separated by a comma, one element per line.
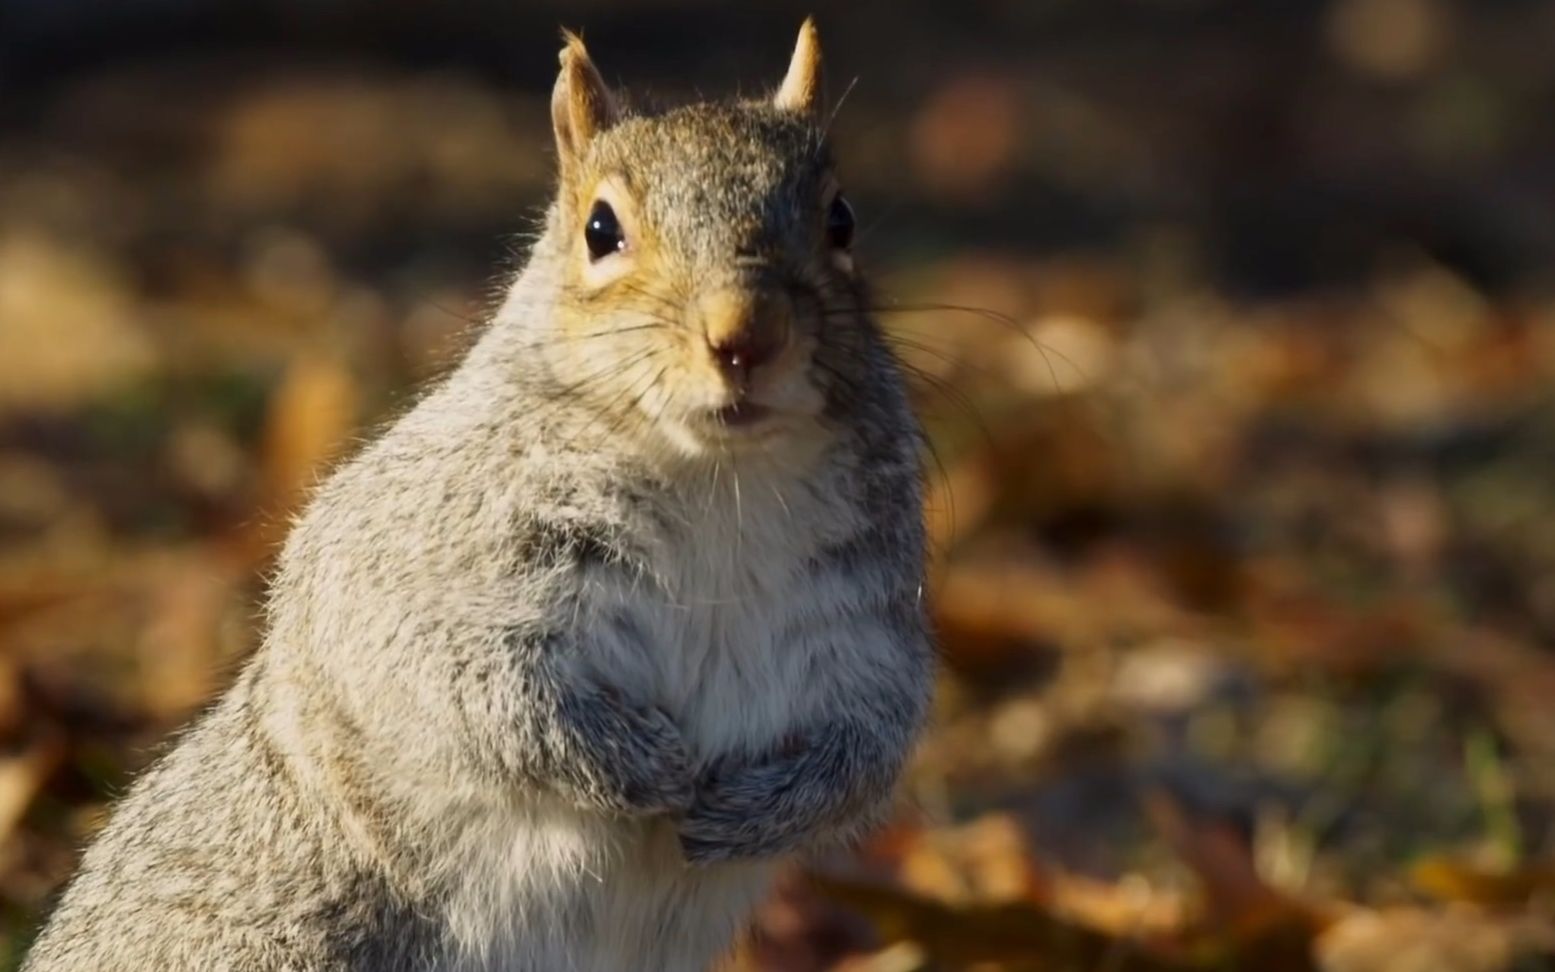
<point>745,329</point>
<point>742,352</point>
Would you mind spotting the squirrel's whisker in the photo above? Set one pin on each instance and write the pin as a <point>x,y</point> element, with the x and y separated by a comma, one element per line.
<point>879,220</point>
<point>665,300</point>
<point>990,315</point>
<point>627,412</point>
<point>591,379</point>
<point>613,408</point>
<point>564,339</point>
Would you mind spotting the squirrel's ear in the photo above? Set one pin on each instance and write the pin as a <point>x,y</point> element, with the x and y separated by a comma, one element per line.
<point>581,105</point>
<point>801,88</point>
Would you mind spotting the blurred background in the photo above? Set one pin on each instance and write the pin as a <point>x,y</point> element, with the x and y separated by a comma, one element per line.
<point>1233,325</point>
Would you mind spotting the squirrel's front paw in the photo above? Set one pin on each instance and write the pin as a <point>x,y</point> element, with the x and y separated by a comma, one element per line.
<point>743,813</point>
<point>637,761</point>
<point>658,776</point>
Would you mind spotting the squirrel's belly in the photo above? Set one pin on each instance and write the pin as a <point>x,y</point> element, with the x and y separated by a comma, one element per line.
<point>549,887</point>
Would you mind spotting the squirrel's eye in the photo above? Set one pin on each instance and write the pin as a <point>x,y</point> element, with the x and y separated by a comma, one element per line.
<point>602,233</point>
<point>839,224</point>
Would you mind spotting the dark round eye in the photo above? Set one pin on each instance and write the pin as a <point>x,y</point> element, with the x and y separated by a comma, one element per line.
<point>839,224</point>
<point>602,233</point>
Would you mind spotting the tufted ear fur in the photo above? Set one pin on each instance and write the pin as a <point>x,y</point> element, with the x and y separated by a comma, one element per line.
<point>801,88</point>
<point>581,104</point>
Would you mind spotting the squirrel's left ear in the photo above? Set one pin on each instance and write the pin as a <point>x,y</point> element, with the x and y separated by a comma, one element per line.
<point>801,88</point>
<point>581,105</point>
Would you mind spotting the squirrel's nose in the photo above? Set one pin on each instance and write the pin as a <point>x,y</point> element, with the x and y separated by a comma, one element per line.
<point>745,330</point>
<point>741,354</point>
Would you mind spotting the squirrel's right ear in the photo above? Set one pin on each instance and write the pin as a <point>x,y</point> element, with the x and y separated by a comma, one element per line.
<point>581,105</point>
<point>800,91</point>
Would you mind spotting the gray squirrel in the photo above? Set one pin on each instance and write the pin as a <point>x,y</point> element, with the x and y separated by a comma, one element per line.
<point>623,613</point>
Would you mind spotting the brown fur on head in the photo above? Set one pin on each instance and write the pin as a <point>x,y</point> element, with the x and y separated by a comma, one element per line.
<point>704,252</point>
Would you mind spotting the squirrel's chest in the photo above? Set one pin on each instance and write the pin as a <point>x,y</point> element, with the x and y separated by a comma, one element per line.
<point>721,635</point>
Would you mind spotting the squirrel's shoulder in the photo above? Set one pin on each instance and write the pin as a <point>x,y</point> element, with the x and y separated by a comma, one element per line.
<point>461,476</point>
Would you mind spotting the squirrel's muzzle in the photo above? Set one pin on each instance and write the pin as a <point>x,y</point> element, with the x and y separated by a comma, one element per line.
<point>746,328</point>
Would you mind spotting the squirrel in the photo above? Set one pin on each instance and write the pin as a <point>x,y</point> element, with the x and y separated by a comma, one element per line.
<point>619,616</point>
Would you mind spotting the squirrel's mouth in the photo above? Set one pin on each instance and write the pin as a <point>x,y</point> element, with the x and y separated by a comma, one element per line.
<point>744,424</point>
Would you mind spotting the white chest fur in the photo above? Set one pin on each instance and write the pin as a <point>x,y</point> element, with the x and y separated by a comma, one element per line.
<point>713,632</point>
<point>716,633</point>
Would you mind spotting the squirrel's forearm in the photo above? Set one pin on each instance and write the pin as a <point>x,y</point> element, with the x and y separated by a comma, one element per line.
<point>836,785</point>
<point>833,782</point>
<point>531,721</point>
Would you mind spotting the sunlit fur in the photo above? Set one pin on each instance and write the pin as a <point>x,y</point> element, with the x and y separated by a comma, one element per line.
<point>559,669</point>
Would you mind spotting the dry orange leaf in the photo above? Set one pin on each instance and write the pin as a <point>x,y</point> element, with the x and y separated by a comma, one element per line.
<point>312,414</point>
<point>22,776</point>
<point>1441,940</point>
<point>1017,935</point>
<point>1449,879</point>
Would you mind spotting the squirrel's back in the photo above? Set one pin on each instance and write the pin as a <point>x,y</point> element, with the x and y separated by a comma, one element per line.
<point>217,860</point>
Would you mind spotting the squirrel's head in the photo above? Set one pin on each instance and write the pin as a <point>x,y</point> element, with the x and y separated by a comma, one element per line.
<point>707,284</point>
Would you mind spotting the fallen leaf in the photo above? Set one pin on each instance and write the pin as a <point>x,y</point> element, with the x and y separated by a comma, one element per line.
<point>1426,940</point>
<point>1450,879</point>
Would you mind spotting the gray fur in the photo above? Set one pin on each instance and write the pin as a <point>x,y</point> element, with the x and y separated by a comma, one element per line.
<point>539,691</point>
